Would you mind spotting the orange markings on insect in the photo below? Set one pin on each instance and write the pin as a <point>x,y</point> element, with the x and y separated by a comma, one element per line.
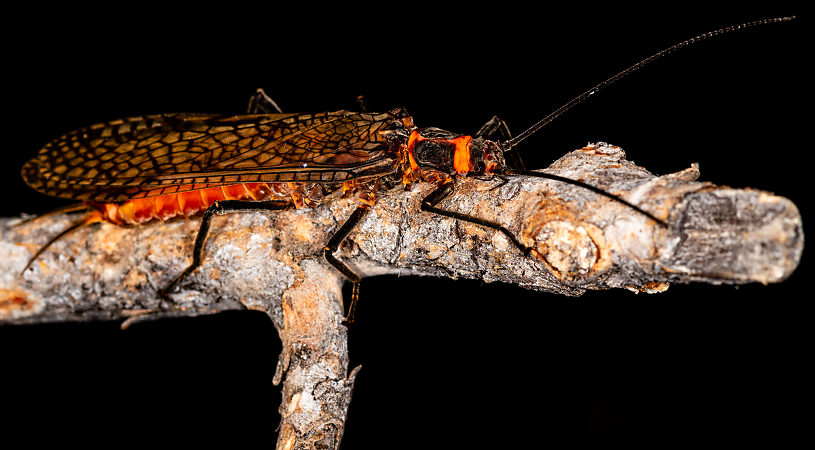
<point>412,140</point>
<point>210,196</point>
<point>461,158</point>
<point>166,207</point>
<point>188,203</point>
<point>412,171</point>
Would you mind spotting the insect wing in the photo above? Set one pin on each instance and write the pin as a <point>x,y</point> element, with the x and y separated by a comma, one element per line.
<point>161,154</point>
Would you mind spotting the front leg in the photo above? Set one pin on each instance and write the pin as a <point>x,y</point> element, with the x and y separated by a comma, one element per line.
<point>443,191</point>
<point>497,130</point>
<point>494,127</point>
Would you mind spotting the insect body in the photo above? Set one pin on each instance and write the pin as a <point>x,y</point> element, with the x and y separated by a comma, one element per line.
<point>159,167</point>
<point>133,171</point>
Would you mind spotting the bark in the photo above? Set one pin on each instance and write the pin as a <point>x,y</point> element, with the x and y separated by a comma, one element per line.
<point>273,261</point>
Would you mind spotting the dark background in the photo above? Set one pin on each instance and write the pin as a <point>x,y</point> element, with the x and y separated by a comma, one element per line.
<point>445,363</point>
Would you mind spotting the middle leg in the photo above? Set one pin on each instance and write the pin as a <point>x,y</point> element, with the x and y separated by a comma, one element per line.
<point>334,244</point>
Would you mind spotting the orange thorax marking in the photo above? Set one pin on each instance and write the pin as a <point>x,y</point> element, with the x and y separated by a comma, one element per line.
<point>412,140</point>
<point>461,158</point>
<point>461,154</point>
<point>189,203</point>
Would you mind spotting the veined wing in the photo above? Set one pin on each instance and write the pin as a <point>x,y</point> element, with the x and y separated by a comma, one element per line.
<point>159,154</point>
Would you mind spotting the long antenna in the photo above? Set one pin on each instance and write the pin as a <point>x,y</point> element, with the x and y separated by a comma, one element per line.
<point>543,122</point>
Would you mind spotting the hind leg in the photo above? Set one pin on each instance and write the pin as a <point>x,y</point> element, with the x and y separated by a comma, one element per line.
<point>218,208</point>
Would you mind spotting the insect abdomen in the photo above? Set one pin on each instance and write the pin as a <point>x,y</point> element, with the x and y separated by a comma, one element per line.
<point>189,203</point>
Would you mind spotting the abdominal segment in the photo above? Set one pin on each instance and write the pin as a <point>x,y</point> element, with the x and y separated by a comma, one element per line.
<point>194,202</point>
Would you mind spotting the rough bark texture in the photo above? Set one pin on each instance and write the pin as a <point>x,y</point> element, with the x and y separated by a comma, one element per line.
<point>273,261</point>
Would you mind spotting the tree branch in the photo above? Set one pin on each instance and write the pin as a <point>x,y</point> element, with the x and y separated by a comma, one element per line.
<point>273,262</point>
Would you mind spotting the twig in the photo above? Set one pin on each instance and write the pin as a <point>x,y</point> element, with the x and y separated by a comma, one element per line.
<point>273,262</point>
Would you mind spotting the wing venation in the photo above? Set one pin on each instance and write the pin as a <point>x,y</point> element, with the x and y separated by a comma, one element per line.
<point>152,155</point>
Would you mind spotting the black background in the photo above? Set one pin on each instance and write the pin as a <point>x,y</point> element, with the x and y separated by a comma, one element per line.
<point>445,363</point>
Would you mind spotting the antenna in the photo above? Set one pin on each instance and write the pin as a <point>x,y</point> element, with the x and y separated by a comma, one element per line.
<point>508,145</point>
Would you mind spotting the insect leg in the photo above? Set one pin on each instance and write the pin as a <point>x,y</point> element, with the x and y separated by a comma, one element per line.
<point>334,244</point>
<point>220,208</point>
<point>429,204</point>
<point>260,103</point>
<point>496,127</point>
<point>493,127</point>
<point>361,103</point>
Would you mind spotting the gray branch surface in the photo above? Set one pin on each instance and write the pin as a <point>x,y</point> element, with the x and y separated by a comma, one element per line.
<point>273,262</point>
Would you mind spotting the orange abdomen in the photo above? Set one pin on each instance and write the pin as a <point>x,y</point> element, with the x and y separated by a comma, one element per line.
<point>189,203</point>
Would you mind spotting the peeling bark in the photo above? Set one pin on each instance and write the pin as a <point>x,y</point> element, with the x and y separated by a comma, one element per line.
<point>273,262</point>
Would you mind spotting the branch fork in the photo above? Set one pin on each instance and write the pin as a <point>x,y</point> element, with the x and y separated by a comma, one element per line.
<point>273,261</point>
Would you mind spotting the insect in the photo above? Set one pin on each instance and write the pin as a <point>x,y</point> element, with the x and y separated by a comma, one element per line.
<point>133,171</point>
